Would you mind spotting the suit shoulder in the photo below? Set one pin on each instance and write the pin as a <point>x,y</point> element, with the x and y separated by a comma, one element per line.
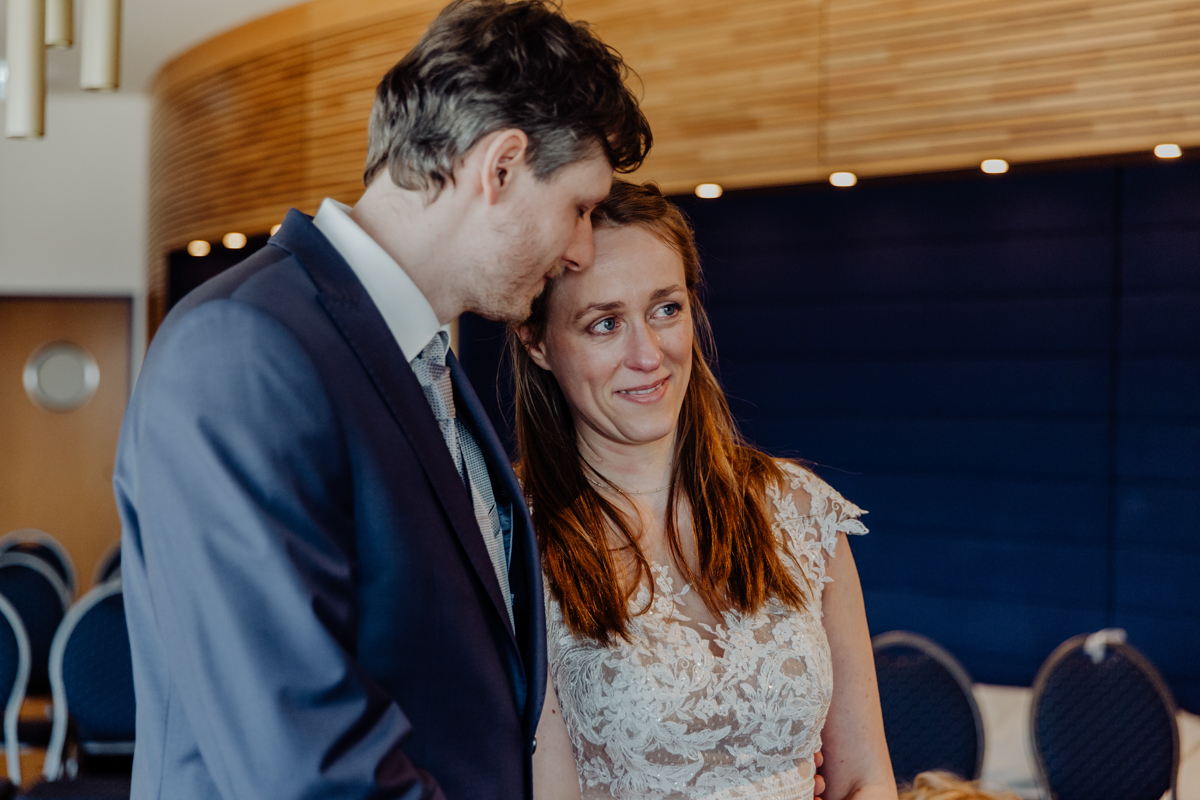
<point>226,327</point>
<point>231,281</point>
<point>225,341</point>
<point>272,282</point>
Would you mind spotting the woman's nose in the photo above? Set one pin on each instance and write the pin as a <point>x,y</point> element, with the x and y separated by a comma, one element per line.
<point>645,351</point>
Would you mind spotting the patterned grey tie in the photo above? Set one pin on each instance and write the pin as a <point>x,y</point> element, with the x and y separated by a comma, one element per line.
<point>434,377</point>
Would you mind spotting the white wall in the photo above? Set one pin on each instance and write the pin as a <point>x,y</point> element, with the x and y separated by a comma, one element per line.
<point>73,205</point>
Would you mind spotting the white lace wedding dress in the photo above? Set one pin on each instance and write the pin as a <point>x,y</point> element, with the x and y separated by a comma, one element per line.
<point>664,718</point>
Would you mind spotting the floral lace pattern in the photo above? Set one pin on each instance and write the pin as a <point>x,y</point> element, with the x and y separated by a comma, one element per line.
<point>664,717</point>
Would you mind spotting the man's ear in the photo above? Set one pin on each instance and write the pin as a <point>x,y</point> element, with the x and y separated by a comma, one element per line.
<point>503,155</point>
<point>536,350</point>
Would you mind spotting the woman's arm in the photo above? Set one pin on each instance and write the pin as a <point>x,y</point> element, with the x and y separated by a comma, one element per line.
<point>554,775</point>
<point>857,766</point>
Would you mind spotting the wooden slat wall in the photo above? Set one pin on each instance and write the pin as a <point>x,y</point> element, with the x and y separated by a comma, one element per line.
<point>731,89</point>
<point>273,114</point>
<point>937,83</point>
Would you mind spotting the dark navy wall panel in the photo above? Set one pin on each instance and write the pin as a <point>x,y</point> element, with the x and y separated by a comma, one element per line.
<point>939,209</point>
<point>999,641</point>
<point>1159,515</point>
<point>929,386</point>
<point>1068,575</point>
<point>1003,370</point>
<point>1163,451</point>
<point>1014,263</point>
<point>1153,579</point>
<point>1161,193</point>
<point>1160,385</point>
<point>909,326</point>
<point>1161,323</point>
<point>1047,449</point>
<point>1157,531</point>
<point>1162,258</point>
<point>982,510</point>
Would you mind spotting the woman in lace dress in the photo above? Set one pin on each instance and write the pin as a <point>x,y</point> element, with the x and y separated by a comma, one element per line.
<point>706,634</point>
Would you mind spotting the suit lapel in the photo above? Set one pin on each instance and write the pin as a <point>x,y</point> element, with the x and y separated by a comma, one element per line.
<point>532,645</point>
<point>358,319</point>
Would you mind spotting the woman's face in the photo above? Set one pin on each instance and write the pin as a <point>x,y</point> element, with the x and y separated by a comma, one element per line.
<point>619,338</point>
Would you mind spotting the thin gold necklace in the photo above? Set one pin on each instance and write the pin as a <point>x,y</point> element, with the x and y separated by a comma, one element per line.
<point>618,489</point>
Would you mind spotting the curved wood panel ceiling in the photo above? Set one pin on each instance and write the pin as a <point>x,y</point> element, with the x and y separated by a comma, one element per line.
<point>273,114</point>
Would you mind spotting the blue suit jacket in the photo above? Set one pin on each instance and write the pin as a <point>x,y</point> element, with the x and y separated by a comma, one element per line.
<point>311,606</point>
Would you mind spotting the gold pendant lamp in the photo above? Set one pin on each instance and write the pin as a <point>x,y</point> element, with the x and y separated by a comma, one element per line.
<point>100,45</point>
<point>60,23</point>
<point>34,25</point>
<point>25,111</point>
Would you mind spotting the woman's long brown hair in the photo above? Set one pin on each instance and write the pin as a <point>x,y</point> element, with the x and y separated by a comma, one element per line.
<point>739,564</point>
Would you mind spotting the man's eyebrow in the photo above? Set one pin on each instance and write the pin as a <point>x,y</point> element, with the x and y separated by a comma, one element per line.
<point>610,306</point>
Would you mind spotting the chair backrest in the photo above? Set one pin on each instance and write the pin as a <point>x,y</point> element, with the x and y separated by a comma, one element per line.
<point>44,546</point>
<point>91,671</point>
<point>14,675</point>
<point>109,566</point>
<point>930,716</point>
<point>41,600</point>
<point>1103,729</point>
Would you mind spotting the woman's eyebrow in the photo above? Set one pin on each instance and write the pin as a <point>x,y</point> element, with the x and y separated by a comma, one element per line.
<point>661,293</point>
<point>614,305</point>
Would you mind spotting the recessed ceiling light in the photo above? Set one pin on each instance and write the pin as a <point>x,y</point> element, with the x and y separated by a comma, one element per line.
<point>709,191</point>
<point>234,241</point>
<point>275,228</point>
<point>1168,151</point>
<point>994,166</point>
<point>843,179</point>
<point>198,248</point>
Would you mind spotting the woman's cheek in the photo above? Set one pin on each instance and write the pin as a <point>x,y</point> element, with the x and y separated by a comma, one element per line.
<point>681,344</point>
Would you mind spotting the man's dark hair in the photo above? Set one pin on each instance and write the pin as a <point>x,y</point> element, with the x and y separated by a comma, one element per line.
<point>487,65</point>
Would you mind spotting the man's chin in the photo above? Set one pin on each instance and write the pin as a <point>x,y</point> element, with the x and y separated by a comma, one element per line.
<point>508,314</point>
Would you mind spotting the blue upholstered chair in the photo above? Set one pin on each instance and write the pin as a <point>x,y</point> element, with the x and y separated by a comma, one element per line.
<point>91,672</point>
<point>14,675</point>
<point>109,566</point>
<point>930,716</point>
<point>1102,722</point>
<point>44,546</point>
<point>41,600</point>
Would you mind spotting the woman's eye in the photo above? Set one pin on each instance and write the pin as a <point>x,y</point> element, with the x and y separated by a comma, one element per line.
<point>669,310</point>
<point>606,325</point>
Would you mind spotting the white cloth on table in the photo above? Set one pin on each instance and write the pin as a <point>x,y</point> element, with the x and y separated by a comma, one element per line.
<point>1008,760</point>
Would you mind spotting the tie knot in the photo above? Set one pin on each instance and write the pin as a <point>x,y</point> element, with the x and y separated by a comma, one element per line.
<point>434,353</point>
<point>434,377</point>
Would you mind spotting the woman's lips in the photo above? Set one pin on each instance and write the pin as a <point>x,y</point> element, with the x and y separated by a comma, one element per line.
<point>645,394</point>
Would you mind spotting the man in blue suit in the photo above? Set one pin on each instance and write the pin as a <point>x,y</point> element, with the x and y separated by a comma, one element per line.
<point>331,581</point>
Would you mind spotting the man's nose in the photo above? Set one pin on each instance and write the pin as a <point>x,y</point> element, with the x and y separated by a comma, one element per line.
<point>581,252</point>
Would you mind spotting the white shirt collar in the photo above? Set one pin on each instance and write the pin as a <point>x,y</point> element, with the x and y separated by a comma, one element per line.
<point>407,313</point>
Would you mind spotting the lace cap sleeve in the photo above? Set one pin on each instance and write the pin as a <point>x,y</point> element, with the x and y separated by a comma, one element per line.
<point>813,535</point>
